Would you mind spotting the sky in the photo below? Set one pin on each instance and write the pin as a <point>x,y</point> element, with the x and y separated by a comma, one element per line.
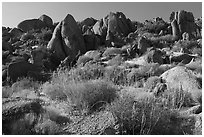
<point>15,12</point>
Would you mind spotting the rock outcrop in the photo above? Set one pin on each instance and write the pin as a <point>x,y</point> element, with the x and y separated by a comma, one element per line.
<point>185,22</point>
<point>47,20</point>
<point>112,27</point>
<point>30,24</point>
<point>67,40</point>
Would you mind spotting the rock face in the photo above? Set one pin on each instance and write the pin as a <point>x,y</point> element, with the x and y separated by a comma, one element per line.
<point>15,32</point>
<point>67,39</point>
<point>88,22</point>
<point>185,21</point>
<point>180,77</point>
<point>113,26</point>
<point>46,19</point>
<point>27,25</point>
<point>43,21</point>
<point>143,44</point>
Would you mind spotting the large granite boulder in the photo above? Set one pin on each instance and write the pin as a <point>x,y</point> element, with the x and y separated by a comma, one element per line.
<point>67,40</point>
<point>181,78</point>
<point>88,22</point>
<point>31,24</point>
<point>15,32</point>
<point>55,45</point>
<point>46,19</point>
<point>185,21</point>
<point>112,27</point>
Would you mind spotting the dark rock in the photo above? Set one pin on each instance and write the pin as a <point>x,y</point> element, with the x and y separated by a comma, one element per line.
<point>30,24</point>
<point>112,27</point>
<point>185,22</point>
<point>91,42</point>
<point>15,108</point>
<point>67,40</point>
<point>47,20</point>
<point>88,22</point>
<point>20,69</point>
<point>15,32</point>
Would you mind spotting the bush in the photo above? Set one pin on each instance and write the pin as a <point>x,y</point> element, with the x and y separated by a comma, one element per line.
<point>6,92</point>
<point>89,96</point>
<point>25,83</point>
<point>47,127</point>
<point>116,75</point>
<point>145,117</point>
<point>54,91</point>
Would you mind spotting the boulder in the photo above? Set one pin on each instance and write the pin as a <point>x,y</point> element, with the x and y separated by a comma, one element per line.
<point>91,42</point>
<point>185,21</point>
<point>93,54</point>
<point>180,78</point>
<point>143,44</point>
<point>37,56</point>
<point>72,37</point>
<point>55,45</point>
<point>15,32</point>
<point>88,22</point>
<point>183,57</point>
<point>47,20</point>
<point>31,24</point>
<point>113,27</point>
<point>6,46</point>
<point>20,69</point>
<point>112,52</point>
<point>67,40</point>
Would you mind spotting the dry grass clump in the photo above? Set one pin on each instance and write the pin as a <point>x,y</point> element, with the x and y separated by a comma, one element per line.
<point>79,89</point>
<point>54,91</point>
<point>116,75</point>
<point>47,127</point>
<point>6,92</point>
<point>90,95</point>
<point>152,116</point>
<point>25,83</point>
<point>19,87</point>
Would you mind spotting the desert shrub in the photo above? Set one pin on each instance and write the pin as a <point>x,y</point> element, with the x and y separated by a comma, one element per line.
<point>90,95</point>
<point>89,71</point>
<point>116,75</point>
<point>145,117</point>
<point>151,82</point>
<point>47,127</point>
<point>6,92</point>
<point>25,93</point>
<point>176,99</point>
<point>54,91</point>
<point>25,83</point>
